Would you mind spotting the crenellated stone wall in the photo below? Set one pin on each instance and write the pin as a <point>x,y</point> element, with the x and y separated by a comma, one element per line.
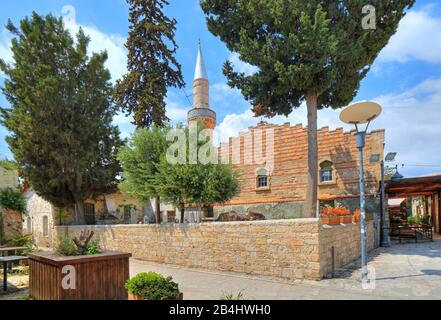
<point>291,249</point>
<point>282,150</point>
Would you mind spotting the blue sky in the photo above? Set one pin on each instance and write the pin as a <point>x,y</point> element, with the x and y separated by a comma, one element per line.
<point>405,79</point>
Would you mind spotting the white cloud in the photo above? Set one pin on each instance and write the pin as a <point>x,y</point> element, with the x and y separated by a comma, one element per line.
<point>411,120</point>
<point>241,66</point>
<point>100,41</point>
<point>418,38</point>
<point>5,49</point>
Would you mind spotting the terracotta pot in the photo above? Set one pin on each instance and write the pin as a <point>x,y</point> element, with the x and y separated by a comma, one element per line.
<point>334,220</point>
<point>325,219</point>
<point>347,219</point>
<point>138,297</point>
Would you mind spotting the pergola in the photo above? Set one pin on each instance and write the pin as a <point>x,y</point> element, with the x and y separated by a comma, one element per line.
<point>429,187</point>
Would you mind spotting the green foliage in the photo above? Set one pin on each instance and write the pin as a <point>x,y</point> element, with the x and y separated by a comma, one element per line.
<point>22,240</point>
<point>13,200</point>
<point>195,184</point>
<point>61,215</point>
<point>19,271</point>
<point>93,248</point>
<point>140,159</point>
<point>301,47</point>
<point>60,113</point>
<point>311,51</point>
<point>425,219</point>
<point>147,172</point>
<point>412,219</point>
<point>232,296</point>
<point>8,164</point>
<point>151,64</point>
<point>66,246</point>
<point>153,286</point>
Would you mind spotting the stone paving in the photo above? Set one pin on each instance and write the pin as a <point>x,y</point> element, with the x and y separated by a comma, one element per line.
<point>406,271</point>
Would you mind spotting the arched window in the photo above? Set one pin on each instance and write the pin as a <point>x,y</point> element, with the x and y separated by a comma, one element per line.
<point>262,179</point>
<point>45,226</point>
<point>326,174</point>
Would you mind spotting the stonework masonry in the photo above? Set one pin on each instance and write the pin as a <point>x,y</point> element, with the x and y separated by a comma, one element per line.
<point>290,249</point>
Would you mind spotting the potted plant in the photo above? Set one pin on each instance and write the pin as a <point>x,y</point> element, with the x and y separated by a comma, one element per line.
<point>356,216</point>
<point>152,286</point>
<point>97,274</point>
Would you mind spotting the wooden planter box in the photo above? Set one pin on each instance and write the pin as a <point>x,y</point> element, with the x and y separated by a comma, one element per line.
<point>98,277</point>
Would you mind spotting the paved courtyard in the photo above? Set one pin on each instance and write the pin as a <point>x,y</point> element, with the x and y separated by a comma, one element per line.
<point>406,271</point>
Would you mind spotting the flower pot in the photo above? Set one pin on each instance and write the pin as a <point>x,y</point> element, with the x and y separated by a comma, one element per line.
<point>347,219</point>
<point>133,296</point>
<point>324,219</point>
<point>334,220</point>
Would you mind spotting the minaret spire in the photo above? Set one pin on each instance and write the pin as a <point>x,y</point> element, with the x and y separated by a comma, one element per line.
<point>200,71</point>
<point>201,96</point>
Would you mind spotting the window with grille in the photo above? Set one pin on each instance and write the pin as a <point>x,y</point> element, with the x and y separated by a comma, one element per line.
<point>326,171</point>
<point>89,213</point>
<point>262,178</point>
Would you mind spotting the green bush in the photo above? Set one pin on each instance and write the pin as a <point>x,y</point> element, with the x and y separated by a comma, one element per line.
<point>232,296</point>
<point>22,240</point>
<point>413,219</point>
<point>93,248</point>
<point>66,246</point>
<point>13,200</point>
<point>153,286</point>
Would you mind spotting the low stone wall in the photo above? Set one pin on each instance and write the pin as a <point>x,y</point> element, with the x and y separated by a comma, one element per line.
<point>345,238</point>
<point>11,223</point>
<point>292,249</point>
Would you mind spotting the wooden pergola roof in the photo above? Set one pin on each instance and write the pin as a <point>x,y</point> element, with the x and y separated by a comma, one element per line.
<point>419,186</point>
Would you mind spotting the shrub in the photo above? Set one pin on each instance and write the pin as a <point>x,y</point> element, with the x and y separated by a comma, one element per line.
<point>412,219</point>
<point>232,296</point>
<point>93,248</point>
<point>22,240</point>
<point>153,286</point>
<point>66,246</point>
<point>13,200</point>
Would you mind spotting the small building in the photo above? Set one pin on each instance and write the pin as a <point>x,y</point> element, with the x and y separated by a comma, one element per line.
<point>115,208</point>
<point>421,196</point>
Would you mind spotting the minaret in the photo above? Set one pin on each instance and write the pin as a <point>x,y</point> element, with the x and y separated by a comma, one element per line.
<point>201,108</point>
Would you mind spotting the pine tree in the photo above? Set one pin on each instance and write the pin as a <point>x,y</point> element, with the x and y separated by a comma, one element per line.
<point>305,51</point>
<point>60,114</point>
<point>152,67</point>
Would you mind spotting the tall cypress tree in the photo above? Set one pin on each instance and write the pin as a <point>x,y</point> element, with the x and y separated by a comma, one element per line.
<point>152,67</point>
<point>60,114</point>
<point>311,51</point>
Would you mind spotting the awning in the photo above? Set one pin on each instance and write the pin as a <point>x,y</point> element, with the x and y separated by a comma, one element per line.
<point>419,186</point>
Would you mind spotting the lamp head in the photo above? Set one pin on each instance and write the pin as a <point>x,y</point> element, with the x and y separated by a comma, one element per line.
<point>360,112</point>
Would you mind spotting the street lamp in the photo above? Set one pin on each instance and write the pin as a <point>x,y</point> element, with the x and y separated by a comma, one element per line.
<point>384,214</point>
<point>360,113</point>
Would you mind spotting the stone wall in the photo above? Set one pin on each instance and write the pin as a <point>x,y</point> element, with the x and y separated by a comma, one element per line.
<point>345,239</point>
<point>40,214</point>
<point>291,249</point>
<point>11,224</point>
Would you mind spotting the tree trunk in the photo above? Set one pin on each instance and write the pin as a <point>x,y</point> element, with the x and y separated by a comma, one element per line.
<point>158,209</point>
<point>182,214</point>
<point>310,209</point>
<point>79,212</point>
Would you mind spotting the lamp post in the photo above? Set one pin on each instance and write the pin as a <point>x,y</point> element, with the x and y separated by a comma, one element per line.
<point>384,213</point>
<point>362,112</point>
